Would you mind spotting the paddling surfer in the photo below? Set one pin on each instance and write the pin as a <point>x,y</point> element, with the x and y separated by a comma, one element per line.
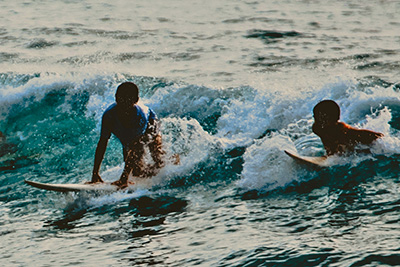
<point>336,136</point>
<point>136,126</point>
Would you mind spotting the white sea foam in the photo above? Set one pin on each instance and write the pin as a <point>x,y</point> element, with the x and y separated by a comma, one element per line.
<point>266,165</point>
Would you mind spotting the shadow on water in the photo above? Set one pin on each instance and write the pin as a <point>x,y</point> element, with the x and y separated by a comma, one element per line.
<point>148,212</point>
<point>71,216</point>
<point>68,221</point>
<point>149,215</point>
<point>162,205</point>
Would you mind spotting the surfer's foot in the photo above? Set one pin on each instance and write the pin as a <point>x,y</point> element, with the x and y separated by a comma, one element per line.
<point>120,184</point>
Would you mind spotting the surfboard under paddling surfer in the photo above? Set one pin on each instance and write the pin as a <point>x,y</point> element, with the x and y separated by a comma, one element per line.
<point>136,126</point>
<point>336,136</point>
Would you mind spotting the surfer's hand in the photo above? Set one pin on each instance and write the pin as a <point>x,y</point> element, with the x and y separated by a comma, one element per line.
<point>96,179</point>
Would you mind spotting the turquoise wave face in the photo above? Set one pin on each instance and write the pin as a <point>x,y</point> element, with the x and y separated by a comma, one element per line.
<point>51,125</point>
<point>52,132</point>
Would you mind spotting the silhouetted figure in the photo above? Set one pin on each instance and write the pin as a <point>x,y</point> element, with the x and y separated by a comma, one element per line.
<point>338,137</point>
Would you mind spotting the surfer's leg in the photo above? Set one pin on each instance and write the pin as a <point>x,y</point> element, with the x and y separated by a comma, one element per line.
<point>134,162</point>
<point>157,153</point>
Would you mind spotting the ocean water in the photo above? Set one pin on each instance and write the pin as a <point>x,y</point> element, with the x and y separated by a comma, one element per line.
<point>233,83</point>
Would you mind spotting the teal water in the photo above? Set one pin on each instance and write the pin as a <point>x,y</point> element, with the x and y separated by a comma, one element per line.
<point>234,84</point>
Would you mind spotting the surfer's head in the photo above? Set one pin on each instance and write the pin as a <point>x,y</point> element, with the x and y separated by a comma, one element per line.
<point>127,94</point>
<point>326,111</point>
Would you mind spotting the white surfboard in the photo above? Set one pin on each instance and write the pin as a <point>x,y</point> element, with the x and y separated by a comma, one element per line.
<point>100,187</point>
<point>310,161</point>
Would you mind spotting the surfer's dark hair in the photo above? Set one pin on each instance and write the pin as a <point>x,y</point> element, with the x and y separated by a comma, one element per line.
<point>127,92</point>
<point>329,108</point>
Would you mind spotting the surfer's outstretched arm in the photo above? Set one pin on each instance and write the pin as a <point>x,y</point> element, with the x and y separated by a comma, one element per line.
<point>98,158</point>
